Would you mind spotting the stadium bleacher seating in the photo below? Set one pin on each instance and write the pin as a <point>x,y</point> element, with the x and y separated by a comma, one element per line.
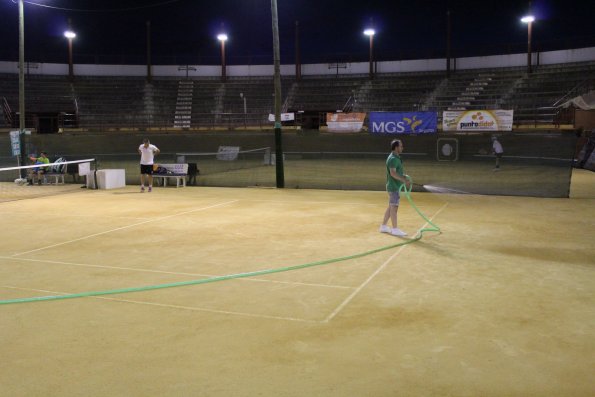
<point>106,103</point>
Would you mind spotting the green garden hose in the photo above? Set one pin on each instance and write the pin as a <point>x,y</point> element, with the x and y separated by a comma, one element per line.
<point>417,237</point>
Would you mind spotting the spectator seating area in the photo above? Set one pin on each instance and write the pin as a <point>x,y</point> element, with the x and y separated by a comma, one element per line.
<point>47,100</point>
<point>106,103</point>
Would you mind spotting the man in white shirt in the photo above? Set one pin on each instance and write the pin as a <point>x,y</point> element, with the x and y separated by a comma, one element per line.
<point>498,150</point>
<point>147,153</point>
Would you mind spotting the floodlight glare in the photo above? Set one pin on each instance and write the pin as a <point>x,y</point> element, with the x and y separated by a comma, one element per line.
<point>69,34</point>
<point>369,32</point>
<point>222,37</point>
<point>528,19</point>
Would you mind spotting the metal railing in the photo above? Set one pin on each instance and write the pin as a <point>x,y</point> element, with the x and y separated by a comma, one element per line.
<point>164,122</point>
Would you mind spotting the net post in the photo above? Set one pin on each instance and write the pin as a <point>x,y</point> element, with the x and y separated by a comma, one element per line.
<point>280,174</point>
<point>95,174</point>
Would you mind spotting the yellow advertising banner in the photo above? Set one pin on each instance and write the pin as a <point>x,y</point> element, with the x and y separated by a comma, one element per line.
<point>477,120</point>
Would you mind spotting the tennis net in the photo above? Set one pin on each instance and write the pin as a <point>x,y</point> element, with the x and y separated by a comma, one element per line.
<point>40,180</point>
<point>231,166</point>
<point>538,165</point>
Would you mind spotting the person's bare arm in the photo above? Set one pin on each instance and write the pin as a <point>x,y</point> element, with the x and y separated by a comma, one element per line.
<point>393,173</point>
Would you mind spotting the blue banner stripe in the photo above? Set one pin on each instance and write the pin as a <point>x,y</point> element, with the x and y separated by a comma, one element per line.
<point>403,122</point>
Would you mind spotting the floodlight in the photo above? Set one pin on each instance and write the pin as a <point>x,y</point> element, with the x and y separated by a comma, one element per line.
<point>369,32</point>
<point>528,19</point>
<point>69,34</point>
<point>222,37</point>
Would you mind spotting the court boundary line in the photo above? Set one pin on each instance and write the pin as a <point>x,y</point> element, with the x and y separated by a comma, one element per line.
<point>169,273</point>
<point>349,298</point>
<point>124,227</point>
<point>337,310</point>
<point>179,307</point>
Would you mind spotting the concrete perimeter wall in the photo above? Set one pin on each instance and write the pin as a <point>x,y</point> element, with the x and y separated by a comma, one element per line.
<point>420,65</point>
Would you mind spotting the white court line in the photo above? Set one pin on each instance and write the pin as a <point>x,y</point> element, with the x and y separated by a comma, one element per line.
<point>28,214</point>
<point>326,320</point>
<point>173,273</point>
<point>196,309</point>
<point>199,309</point>
<point>367,281</point>
<point>125,227</point>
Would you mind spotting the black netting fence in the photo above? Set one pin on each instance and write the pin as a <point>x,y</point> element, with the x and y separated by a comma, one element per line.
<point>533,164</point>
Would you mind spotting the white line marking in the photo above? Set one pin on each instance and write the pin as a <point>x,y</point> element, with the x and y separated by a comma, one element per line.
<point>214,311</point>
<point>28,215</point>
<point>174,273</point>
<point>365,283</point>
<point>198,309</point>
<point>125,227</point>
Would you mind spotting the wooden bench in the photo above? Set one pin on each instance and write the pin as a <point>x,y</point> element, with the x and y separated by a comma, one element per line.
<point>177,171</point>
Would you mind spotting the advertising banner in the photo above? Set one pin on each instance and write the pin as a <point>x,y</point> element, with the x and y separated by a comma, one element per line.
<point>403,122</point>
<point>345,122</point>
<point>284,117</point>
<point>477,120</point>
<point>15,143</point>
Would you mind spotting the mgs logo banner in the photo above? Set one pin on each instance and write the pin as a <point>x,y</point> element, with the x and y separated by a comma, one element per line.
<point>403,122</point>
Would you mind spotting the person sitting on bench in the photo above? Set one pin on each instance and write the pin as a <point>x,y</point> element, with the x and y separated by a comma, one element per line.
<point>38,171</point>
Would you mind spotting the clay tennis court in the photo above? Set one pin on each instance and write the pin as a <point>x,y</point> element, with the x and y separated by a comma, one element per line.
<point>499,303</point>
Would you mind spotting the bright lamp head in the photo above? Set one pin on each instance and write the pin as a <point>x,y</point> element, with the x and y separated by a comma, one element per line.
<point>528,19</point>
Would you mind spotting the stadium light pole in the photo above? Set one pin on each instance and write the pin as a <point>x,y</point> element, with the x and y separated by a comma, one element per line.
<point>69,34</point>
<point>245,109</point>
<point>371,33</point>
<point>528,19</point>
<point>21,68</point>
<point>222,37</point>
<point>279,168</point>
<point>21,158</point>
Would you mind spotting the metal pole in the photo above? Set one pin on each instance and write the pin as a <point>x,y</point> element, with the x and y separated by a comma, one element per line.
<point>448,29</point>
<point>245,114</point>
<point>223,76</point>
<point>277,61</point>
<point>70,67</point>
<point>529,70</point>
<point>371,56</point>
<point>21,67</point>
<point>298,66</point>
<point>149,76</point>
<point>21,158</point>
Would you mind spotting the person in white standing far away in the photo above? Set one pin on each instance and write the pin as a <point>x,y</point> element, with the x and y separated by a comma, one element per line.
<point>147,153</point>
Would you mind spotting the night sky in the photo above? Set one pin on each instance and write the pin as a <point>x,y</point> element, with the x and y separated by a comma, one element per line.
<point>184,31</point>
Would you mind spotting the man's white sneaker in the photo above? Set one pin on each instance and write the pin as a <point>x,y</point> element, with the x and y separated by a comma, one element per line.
<point>384,229</point>
<point>397,232</point>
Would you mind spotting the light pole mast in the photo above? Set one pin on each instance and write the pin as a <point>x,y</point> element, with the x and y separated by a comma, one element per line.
<point>370,32</point>
<point>69,34</point>
<point>222,37</point>
<point>21,68</point>
<point>529,21</point>
<point>277,61</point>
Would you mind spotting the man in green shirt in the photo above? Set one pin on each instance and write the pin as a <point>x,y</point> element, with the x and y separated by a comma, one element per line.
<point>39,171</point>
<point>394,180</point>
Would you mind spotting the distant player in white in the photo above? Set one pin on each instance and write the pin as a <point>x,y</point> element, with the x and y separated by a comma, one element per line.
<point>147,154</point>
<point>497,150</point>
